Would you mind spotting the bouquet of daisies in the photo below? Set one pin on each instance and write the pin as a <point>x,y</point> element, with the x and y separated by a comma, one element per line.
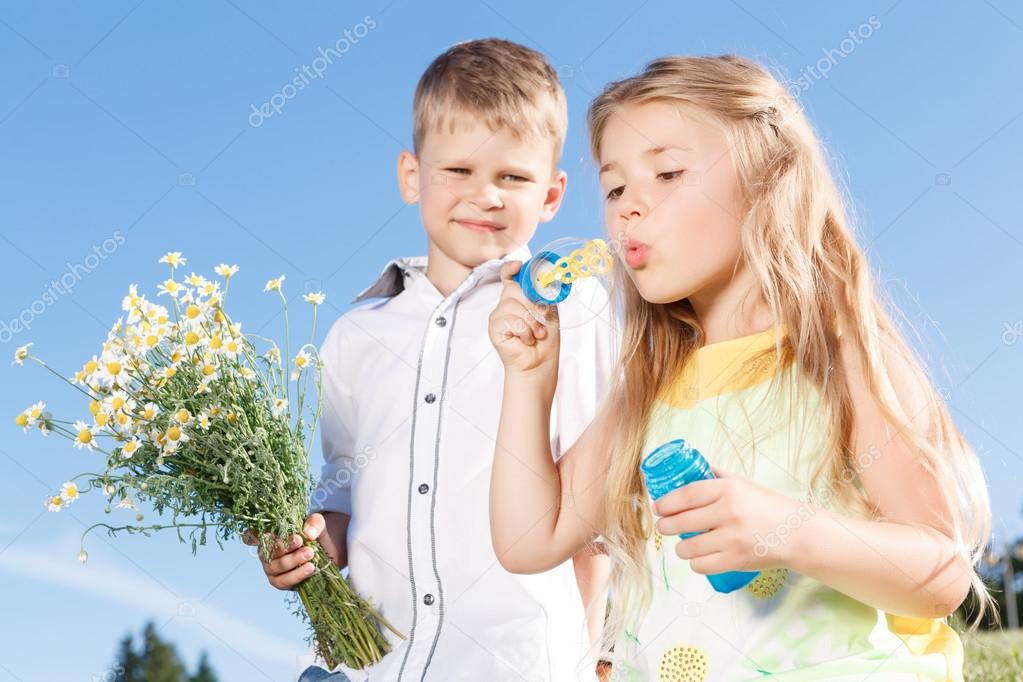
<point>212,427</point>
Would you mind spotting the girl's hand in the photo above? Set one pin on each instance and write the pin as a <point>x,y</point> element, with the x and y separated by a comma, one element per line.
<point>748,526</point>
<point>525,335</point>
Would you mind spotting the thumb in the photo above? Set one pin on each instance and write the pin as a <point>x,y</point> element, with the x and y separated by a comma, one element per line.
<point>314,525</point>
<point>509,270</point>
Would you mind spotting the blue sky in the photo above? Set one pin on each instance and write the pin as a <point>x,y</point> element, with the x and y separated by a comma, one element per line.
<point>127,130</point>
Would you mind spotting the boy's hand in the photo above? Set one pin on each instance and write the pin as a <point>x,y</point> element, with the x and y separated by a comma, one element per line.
<point>525,334</point>
<point>289,564</point>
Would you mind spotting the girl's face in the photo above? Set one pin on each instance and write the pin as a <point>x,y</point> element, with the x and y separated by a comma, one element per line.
<point>673,201</point>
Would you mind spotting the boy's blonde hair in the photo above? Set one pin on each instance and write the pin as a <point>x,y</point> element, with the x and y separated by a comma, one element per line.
<point>797,241</point>
<point>503,83</point>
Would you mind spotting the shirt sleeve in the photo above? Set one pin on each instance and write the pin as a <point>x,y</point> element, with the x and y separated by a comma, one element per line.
<point>585,366</point>
<point>333,491</point>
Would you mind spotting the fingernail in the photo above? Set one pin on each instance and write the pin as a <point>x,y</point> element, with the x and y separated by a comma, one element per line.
<point>307,554</point>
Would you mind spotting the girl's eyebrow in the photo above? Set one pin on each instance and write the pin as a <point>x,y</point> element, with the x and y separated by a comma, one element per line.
<point>652,151</point>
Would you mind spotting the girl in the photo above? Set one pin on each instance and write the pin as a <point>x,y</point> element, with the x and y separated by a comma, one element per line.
<point>752,330</point>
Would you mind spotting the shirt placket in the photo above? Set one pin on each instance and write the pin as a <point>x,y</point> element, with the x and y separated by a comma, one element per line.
<point>426,448</point>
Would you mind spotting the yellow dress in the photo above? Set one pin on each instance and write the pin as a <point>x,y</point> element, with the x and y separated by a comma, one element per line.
<point>755,416</point>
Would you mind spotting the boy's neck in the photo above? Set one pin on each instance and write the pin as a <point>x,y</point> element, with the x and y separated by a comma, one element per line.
<point>444,272</point>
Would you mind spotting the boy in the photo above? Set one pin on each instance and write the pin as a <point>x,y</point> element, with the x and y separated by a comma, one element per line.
<point>412,391</point>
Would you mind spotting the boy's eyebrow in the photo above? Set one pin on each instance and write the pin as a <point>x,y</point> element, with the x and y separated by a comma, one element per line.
<point>653,151</point>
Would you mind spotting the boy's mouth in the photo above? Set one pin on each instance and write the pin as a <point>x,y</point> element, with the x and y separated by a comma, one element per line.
<point>480,225</point>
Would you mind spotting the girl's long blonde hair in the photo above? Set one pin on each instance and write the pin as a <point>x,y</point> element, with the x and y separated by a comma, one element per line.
<point>812,275</point>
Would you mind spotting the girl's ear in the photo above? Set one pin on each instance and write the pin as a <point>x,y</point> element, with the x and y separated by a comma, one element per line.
<point>555,193</point>
<point>408,177</point>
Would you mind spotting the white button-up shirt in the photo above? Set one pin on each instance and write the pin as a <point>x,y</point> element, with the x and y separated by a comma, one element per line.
<point>411,401</point>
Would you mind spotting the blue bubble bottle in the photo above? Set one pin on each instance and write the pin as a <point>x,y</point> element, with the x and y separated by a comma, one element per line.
<point>673,465</point>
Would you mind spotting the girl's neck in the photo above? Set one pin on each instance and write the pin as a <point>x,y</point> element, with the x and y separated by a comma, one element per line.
<point>731,310</point>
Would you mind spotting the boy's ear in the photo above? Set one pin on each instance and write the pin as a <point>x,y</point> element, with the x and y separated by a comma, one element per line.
<point>408,176</point>
<point>555,193</point>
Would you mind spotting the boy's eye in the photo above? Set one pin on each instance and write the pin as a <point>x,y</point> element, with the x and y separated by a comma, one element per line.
<point>515,178</point>
<point>458,171</point>
<point>670,175</point>
<point>615,193</point>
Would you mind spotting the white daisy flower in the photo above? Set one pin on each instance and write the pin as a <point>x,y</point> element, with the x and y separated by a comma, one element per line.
<point>54,503</point>
<point>130,448</point>
<point>23,421</point>
<point>21,353</point>
<point>149,411</point>
<point>83,556</point>
<point>274,284</point>
<point>84,435</point>
<point>316,298</point>
<point>204,421</point>
<point>279,406</point>
<point>126,503</point>
<point>226,271</point>
<point>69,492</point>
<point>113,370</point>
<point>169,287</point>
<point>247,373</point>
<point>174,259</point>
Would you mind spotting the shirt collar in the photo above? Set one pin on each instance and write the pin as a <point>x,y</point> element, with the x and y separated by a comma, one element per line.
<point>391,281</point>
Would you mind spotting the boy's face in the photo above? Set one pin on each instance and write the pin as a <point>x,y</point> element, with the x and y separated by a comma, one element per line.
<point>481,192</point>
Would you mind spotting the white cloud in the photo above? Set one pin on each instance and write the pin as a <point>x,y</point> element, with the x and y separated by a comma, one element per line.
<point>135,590</point>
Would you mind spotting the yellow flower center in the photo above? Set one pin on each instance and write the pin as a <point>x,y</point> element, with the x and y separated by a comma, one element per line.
<point>85,436</point>
<point>173,433</point>
<point>191,338</point>
<point>102,418</point>
<point>192,312</point>
<point>216,342</point>
<point>152,340</point>
<point>169,372</point>
<point>114,367</point>
<point>21,419</point>
<point>130,447</point>
<point>208,370</point>
<point>232,417</point>
<point>183,416</point>
<point>117,402</point>
<point>91,366</point>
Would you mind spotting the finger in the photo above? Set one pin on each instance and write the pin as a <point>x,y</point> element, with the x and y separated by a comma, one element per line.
<point>690,496</point>
<point>516,326</point>
<point>289,561</point>
<point>314,525</point>
<point>699,545</point>
<point>710,564</point>
<point>280,548</point>
<point>289,580</point>
<point>691,521</point>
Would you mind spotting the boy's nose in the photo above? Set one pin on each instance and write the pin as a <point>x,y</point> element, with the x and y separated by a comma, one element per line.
<point>485,197</point>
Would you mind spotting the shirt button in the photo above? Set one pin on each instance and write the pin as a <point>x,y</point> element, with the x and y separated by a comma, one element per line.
<point>430,397</point>
<point>428,599</point>
<point>423,488</point>
<point>441,321</point>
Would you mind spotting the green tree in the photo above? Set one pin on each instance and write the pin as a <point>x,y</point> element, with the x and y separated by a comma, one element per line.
<point>155,660</point>
<point>204,673</point>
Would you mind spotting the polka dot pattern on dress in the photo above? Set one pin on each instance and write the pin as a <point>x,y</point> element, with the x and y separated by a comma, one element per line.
<point>683,664</point>
<point>768,583</point>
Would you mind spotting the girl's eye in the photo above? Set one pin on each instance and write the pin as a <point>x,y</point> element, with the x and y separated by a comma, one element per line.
<point>670,175</point>
<point>615,193</point>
